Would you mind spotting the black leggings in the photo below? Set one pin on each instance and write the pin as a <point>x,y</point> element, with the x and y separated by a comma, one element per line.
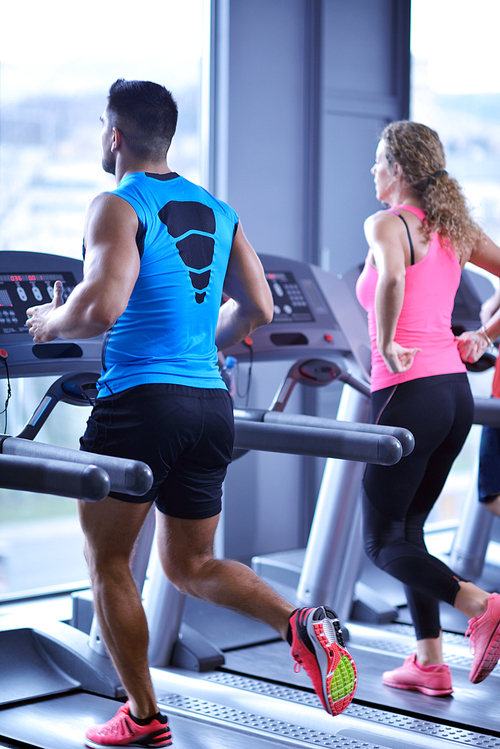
<point>397,499</point>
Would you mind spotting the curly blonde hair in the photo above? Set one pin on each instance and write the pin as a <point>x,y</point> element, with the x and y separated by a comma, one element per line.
<point>420,154</point>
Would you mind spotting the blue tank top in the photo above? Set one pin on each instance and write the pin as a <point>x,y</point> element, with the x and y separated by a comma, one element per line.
<point>167,332</point>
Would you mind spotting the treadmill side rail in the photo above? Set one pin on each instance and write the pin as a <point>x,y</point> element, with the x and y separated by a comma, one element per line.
<point>55,659</point>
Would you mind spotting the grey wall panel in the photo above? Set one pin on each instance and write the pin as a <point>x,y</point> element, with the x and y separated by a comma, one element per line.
<point>365,85</point>
<point>266,122</point>
<point>347,188</point>
<point>358,48</point>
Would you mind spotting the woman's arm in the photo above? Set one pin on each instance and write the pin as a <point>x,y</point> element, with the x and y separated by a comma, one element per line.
<point>490,306</point>
<point>383,237</point>
<point>473,343</point>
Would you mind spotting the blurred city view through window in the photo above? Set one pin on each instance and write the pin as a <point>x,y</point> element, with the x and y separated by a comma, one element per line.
<point>57,61</point>
<point>455,89</point>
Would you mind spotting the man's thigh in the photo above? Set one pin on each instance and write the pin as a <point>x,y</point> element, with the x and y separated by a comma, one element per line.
<point>184,545</point>
<point>111,526</point>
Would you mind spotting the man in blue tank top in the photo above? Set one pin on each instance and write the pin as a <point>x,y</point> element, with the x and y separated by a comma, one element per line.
<point>159,254</point>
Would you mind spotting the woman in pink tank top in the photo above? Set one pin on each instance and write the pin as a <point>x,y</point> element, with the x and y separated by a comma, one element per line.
<point>417,249</point>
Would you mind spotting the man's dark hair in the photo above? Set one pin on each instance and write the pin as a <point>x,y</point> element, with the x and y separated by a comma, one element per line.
<point>146,114</point>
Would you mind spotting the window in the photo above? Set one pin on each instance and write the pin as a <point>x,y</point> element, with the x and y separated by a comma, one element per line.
<point>57,61</point>
<point>456,90</point>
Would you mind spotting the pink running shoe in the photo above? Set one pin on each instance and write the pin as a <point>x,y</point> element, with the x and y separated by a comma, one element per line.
<point>484,634</point>
<point>123,731</point>
<point>432,680</point>
<point>318,645</point>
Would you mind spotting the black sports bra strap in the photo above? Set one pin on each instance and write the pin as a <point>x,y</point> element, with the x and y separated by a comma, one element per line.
<point>412,253</point>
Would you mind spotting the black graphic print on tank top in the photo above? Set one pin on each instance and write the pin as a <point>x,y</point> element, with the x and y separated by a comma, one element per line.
<point>187,220</point>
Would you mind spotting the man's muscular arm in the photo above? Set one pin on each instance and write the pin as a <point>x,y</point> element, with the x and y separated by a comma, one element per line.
<point>250,302</point>
<point>110,271</point>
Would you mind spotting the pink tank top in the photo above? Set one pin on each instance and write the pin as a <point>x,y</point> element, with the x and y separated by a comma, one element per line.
<point>425,319</point>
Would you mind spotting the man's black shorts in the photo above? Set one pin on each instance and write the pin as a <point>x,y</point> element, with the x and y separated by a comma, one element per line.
<point>184,434</point>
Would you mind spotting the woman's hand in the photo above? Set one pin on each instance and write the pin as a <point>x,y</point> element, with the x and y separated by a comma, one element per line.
<point>398,359</point>
<point>471,345</point>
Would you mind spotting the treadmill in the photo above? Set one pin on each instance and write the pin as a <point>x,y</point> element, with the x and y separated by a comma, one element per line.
<point>334,569</point>
<point>208,705</point>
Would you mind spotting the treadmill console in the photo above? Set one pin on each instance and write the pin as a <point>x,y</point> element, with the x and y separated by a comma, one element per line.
<point>27,279</point>
<point>20,291</point>
<point>290,304</point>
<point>315,314</point>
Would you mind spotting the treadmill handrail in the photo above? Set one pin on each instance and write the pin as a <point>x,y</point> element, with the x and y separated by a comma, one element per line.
<point>404,436</point>
<point>319,442</point>
<point>64,479</point>
<point>487,412</point>
<point>126,476</point>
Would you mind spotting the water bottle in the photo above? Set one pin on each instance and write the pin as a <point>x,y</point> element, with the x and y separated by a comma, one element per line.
<point>227,374</point>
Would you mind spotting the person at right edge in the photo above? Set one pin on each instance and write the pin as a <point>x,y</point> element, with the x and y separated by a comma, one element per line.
<point>417,249</point>
<point>488,484</point>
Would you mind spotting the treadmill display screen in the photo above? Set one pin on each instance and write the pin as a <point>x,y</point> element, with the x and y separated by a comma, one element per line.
<point>20,291</point>
<point>290,305</point>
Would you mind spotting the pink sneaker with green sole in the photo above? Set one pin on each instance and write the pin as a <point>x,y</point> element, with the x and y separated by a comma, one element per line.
<point>318,646</point>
